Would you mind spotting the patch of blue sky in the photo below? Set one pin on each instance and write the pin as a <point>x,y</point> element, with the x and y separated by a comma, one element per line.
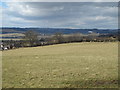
<point>3,4</point>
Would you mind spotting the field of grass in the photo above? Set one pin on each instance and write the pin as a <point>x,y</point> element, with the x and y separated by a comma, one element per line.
<point>75,65</point>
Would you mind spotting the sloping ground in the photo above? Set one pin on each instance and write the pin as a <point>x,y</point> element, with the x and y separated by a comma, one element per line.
<point>76,65</point>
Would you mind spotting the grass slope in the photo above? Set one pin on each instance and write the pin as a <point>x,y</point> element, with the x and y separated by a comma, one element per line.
<point>83,65</point>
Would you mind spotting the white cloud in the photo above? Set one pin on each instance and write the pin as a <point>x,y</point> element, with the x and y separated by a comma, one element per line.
<point>100,18</point>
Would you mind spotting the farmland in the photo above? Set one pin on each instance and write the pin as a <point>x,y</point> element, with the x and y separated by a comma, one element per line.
<point>74,65</point>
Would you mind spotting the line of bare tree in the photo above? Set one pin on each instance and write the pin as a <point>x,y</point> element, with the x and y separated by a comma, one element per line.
<point>31,39</point>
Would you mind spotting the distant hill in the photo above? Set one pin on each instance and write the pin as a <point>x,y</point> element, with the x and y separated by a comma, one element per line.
<point>6,30</point>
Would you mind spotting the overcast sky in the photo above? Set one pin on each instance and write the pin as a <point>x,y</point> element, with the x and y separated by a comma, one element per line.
<point>60,14</point>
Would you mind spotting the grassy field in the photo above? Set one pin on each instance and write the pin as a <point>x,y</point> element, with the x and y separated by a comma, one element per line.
<point>75,65</point>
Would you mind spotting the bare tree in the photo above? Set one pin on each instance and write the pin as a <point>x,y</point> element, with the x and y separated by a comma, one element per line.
<point>30,38</point>
<point>59,37</point>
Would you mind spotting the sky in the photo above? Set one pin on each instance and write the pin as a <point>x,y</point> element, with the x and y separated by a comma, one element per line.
<point>82,15</point>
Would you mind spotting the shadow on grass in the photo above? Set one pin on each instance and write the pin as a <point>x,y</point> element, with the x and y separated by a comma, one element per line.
<point>91,84</point>
<point>80,85</point>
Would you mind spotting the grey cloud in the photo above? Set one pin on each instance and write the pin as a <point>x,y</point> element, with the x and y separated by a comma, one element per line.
<point>63,14</point>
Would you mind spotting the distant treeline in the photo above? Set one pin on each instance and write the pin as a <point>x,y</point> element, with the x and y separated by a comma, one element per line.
<point>31,39</point>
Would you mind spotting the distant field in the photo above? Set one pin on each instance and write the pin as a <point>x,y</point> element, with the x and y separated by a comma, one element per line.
<point>13,36</point>
<point>76,65</point>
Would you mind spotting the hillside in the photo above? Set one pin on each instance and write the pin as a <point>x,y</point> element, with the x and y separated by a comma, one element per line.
<point>76,65</point>
<point>54,30</point>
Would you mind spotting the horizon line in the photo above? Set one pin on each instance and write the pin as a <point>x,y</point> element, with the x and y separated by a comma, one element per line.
<point>59,27</point>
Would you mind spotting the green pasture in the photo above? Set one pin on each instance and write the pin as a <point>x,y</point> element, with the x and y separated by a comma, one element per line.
<point>75,65</point>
